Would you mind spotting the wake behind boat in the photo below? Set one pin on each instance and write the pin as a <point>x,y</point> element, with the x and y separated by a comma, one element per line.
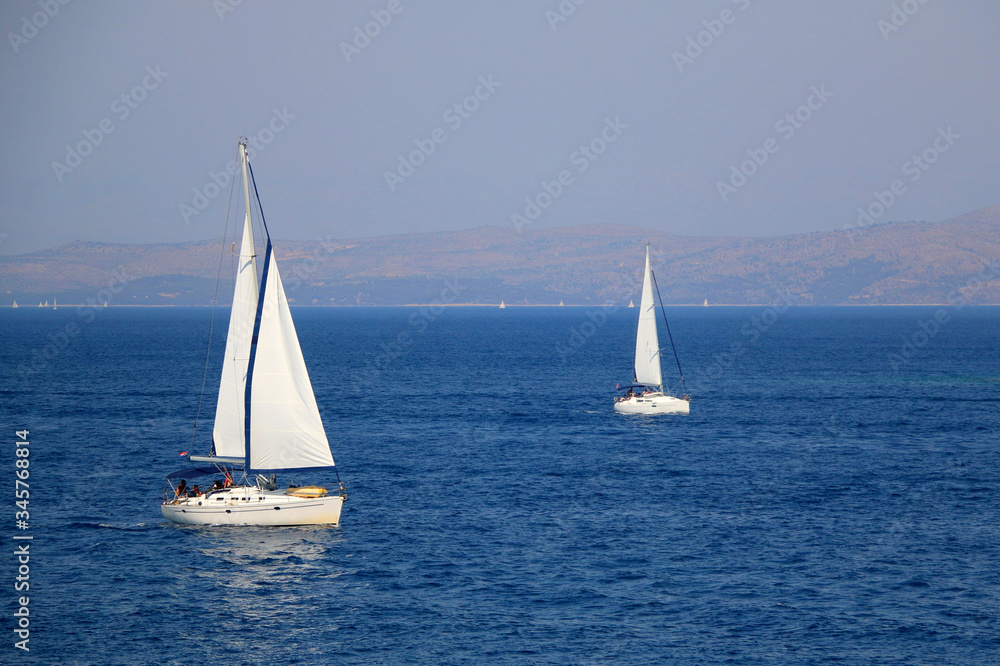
<point>266,417</point>
<point>646,394</point>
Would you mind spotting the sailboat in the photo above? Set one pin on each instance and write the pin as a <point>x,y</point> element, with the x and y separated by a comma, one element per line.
<point>630,303</point>
<point>646,394</point>
<point>266,417</point>
<point>502,306</point>
<point>16,305</point>
<point>561,304</point>
<point>55,304</point>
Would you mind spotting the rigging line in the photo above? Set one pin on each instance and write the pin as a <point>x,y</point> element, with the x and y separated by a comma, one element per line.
<point>667,324</point>
<point>257,195</point>
<point>211,326</point>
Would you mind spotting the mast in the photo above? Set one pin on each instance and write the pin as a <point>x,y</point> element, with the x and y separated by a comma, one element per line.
<point>246,186</point>
<point>247,179</point>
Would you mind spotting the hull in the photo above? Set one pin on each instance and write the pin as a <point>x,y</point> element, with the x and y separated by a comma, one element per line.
<point>252,506</point>
<point>653,404</point>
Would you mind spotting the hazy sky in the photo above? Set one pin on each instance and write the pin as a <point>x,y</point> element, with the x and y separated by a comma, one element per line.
<point>116,115</point>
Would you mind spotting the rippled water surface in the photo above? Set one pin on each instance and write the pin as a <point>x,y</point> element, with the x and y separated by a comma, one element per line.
<point>831,496</point>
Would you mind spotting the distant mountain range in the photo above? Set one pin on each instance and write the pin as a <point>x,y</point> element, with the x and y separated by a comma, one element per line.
<point>903,262</point>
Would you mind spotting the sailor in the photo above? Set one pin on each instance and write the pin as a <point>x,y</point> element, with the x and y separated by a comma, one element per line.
<point>181,488</point>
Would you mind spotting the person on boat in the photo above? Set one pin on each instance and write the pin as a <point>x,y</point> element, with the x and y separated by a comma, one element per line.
<point>181,488</point>
<point>195,492</point>
<point>217,485</point>
<point>229,478</point>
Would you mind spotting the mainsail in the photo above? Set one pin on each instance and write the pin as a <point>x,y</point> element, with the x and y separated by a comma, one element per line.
<point>229,411</point>
<point>647,344</point>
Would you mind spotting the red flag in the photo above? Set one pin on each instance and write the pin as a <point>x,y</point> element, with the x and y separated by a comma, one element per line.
<point>183,453</point>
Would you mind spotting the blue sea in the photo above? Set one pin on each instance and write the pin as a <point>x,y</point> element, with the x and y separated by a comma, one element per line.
<point>832,497</point>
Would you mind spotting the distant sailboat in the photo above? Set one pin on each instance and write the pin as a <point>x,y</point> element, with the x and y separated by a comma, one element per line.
<point>46,304</point>
<point>630,303</point>
<point>55,304</point>
<point>502,306</point>
<point>39,304</point>
<point>561,304</point>
<point>266,417</point>
<point>646,394</point>
<point>706,302</point>
<point>16,305</point>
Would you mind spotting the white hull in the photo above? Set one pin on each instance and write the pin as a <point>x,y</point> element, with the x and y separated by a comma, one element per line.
<point>656,403</point>
<point>244,505</point>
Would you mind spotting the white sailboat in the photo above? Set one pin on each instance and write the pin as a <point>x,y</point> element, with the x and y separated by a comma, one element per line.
<point>266,418</point>
<point>646,394</point>
<point>55,304</point>
<point>630,303</point>
<point>502,306</point>
<point>561,304</point>
<point>16,305</point>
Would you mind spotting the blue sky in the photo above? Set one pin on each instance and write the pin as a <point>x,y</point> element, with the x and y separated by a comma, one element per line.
<point>722,117</point>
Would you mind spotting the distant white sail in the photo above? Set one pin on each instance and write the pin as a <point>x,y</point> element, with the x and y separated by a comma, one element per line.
<point>647,344</point>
